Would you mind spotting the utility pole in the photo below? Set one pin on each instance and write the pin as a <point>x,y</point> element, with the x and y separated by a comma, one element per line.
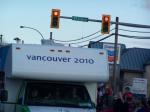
<point>115,86</point>
<point>1,38</point>
<point>51,35</point>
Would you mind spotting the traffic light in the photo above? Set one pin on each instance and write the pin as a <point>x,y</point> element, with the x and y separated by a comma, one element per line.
<point>105,24</point>
<point>55,18</point>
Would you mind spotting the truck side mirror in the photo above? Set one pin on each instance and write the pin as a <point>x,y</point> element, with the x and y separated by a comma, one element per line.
<point>3,95</point>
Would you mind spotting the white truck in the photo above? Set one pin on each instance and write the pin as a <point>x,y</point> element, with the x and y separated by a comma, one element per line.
<point>42,78</point>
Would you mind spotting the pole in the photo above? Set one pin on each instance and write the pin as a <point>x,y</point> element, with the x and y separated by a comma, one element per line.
<point>33,29</point>
<point>115,57</point>
<point>1,38</point>
<point>51,35</point>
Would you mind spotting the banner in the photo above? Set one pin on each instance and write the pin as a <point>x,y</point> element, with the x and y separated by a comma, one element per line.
<point>139,86</point>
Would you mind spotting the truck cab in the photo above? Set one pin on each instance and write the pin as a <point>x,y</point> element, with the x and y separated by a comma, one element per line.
<point>55,97</point>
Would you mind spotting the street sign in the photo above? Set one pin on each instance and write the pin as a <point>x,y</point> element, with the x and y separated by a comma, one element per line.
<point>76,18</point>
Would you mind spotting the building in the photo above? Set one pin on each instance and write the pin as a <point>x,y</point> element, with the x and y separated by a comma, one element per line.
<point>134,63</point>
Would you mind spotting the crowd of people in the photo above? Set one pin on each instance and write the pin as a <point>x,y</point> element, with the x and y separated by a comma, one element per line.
<point>120,102</point>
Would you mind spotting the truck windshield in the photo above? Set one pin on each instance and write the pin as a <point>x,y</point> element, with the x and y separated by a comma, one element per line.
<point>52,94</point>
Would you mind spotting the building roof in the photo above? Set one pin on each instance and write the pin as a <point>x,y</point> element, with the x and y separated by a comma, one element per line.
<point>134,59</point>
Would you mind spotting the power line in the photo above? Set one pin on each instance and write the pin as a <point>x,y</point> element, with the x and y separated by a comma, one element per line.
<point>134,37</point>
<point>83,38</point>
<point>134,31</point>
<point>98,40</point>
<point>86,40</point>
<point>78,38</point>
<point>127,36</point>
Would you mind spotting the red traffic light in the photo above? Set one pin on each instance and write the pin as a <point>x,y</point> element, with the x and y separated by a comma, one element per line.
<point>55,18</point>
<point>106,19</point>
<point>105,24</point>
<point>55,13</point>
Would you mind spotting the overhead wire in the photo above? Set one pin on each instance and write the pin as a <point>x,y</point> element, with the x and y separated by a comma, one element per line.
<point>86,40</point>
<point>122,35</point>
<point>134,31</point>
<point>99,40</point>
<point>135,37</point>
<point>78,38</point>
<point>127,36</point>
<point>89,39</point>
<point>67,41</point>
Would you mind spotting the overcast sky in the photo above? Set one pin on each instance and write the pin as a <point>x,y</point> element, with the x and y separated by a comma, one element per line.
<point>36,14</point>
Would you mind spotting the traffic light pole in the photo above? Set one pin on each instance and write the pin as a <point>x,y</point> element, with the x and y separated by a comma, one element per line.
<point>112,22</point>
<point>115,86</point>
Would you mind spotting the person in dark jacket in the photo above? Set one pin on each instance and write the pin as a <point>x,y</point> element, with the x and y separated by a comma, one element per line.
<point>117,104</point>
